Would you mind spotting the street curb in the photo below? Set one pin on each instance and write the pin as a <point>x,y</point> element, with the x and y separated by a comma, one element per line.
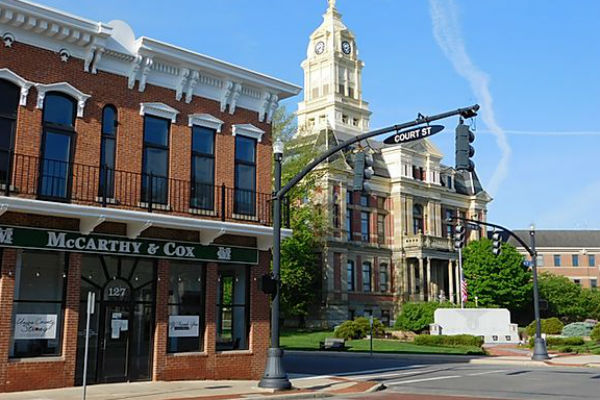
<point>491,361</point>
<point>453,357</point>
<point>314,395</point>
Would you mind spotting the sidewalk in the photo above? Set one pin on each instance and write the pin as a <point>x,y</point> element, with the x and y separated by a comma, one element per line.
<point>510,354</point>
<point>201,390</point>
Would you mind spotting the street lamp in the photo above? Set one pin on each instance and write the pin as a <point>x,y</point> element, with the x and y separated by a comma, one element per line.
<point>275,376</point>
<point>539,349</point>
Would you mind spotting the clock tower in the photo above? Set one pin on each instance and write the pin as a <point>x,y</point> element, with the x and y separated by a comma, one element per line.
<point>332,80</point>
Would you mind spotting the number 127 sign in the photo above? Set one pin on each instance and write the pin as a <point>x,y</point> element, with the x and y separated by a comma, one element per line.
<point>414,134</point>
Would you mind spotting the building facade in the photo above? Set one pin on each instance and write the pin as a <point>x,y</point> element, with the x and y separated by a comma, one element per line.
<point>389,244</point>
<point>139,172</point>
<point>571,253</point>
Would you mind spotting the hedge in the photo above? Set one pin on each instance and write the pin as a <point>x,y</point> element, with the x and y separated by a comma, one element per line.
<point>359,328</point>
<point>560,341</point>
<point>449,340</point>
<point>595,335</point>
<point>578,329</point>
<point>550,326</point>
<point>416,317</point>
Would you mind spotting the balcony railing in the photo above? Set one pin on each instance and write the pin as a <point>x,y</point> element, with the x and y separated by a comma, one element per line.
<point>54,180</point>
<point>421,241</point>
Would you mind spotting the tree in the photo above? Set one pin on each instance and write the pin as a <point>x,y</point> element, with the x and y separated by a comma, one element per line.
<point>497,281</point>
<point>567,300</point>
<point>300,253</point>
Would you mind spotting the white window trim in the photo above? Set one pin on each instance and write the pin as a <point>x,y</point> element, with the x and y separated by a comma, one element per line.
<point>24,84</point>
<point>205,120</point>
<point>248,130</point>
<point>160,110</point>
<point>62,87</point>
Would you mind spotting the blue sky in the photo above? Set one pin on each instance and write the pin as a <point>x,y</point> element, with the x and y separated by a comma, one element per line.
<point>537,63</point>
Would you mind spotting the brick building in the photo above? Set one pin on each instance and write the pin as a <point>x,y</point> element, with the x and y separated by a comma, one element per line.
<point>391,243</point>
<point>138,171</point>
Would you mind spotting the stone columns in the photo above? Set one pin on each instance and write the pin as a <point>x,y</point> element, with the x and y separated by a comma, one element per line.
<point>413,281</point>
<point>422,280</point>
<point>429,285</point>
<point>405,288</point>
<point>450,281</point>
<point>435,282</point>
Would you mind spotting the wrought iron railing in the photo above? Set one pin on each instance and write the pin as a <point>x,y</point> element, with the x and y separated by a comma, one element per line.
<point>55,180</point>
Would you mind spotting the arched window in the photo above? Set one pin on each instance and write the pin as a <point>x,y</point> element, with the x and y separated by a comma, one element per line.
<point>57,146</point>
<point>9,103</point>
<point>107,152</point>
<point>417,219</point>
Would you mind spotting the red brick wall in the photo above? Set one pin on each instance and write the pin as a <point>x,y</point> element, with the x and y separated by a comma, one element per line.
<point>106,88</point>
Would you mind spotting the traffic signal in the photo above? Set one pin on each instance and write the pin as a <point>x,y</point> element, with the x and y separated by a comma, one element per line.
<point>267,284</point>
<point>464,150</point>
<point>496,243</point>
<point>459,236</point>
<point>363,170</point>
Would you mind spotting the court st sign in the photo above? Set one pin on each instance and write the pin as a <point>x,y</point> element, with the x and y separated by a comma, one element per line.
<point>31,238</point>
<point>414,134</point>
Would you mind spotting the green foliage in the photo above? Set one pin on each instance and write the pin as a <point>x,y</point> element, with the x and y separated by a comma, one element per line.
<point>578,329</point>
<point>550,326</point>
<point>497,281</point>
<point>359,328</point>
<point>449,340</point>
<point>567,300</point>
<point>559,341</point>
<point>416,317</point>
<point>595,334</point>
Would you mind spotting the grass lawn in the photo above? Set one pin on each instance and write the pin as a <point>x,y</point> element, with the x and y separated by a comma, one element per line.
<point>293,340</point>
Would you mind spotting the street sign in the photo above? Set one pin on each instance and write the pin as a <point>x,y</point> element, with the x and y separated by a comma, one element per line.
<point>414,134</point>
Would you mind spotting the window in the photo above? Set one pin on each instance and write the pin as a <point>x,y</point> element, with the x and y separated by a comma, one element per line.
<point>381,228</point>
<point>336,215</point>
<point>592,260</point>
<point>575,260</point>
<point>351,314</point>
<point>349,195</point>
<point>315,93</point>
<point>341,89</point>
<point>245,175</point>
<point>540,261</point>
<point>57,146</point>
<point>37,316</point>
<point>349,223</point>
<point>417,219</point>
<point>232,308</point>
<point>366,276</point>
<point>385,317</point>
<point>364,226</point>
<point>350,275</point>
<point>203,168</point>
<point>449,180</point>
<point>383,277</point>
<point>557,260</point>
<point>155,169</point>
<point>594,284</point>
<point>9,104</point>
<point>107,152</point>
<point>364,200</point>
<point>351,92</point>
<point>344,119</point>
<point>381,203</point>
<point>186,308</point>
<point>577,281</point>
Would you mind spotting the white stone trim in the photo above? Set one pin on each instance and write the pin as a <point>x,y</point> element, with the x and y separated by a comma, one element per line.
<point>62,87</point>
<point>248,130</point>
<point>205,120</point>
<point>24,84</point>
<point>159,110</point>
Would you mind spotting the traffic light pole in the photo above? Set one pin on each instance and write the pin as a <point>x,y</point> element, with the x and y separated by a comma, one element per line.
<point>462,278</point>
<point>540,352</point>
<point>275,376</point>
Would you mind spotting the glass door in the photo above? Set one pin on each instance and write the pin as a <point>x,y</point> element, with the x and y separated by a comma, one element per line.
<point>116,342</point>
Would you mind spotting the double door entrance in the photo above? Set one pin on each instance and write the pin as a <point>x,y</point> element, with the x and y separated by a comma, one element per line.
<point>121,328</point>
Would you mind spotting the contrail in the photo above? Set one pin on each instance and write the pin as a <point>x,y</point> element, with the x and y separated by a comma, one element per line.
<point>446,31</point>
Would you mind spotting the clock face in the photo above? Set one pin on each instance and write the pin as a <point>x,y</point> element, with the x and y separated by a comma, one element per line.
<point>320,47</point>
<point>346,47</point>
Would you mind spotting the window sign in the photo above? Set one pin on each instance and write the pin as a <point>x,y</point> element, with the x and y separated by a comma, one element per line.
<point>35,326</point>
<point>184,326</point>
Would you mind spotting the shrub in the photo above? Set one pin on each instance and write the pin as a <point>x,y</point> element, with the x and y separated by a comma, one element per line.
<point>449,340</point>
<point>595,334</point>
<point>578,329</point>
<point>550,326</point>
<point>359,328</point>
<point>416,317</point>
<point>560,342</point>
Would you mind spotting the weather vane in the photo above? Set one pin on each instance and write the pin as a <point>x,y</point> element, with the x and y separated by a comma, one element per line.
<point>331,3</point>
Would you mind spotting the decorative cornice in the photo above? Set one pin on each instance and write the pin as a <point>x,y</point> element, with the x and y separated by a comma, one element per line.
<point>24,84</point>
<point>248,130</point>
<point>159,110</point>
<point>62,87</point>
<point>205,120</point>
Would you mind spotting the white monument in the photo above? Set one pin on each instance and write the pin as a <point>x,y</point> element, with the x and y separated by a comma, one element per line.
<point>491,323</point>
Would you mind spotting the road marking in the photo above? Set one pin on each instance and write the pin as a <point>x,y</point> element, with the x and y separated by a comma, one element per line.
<point>488,372</point>
<point>361,373</point>
<point>437,378</point>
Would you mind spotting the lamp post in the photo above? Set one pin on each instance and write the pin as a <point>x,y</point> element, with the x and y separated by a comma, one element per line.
<point>539,349</point>
<point>275,376</point>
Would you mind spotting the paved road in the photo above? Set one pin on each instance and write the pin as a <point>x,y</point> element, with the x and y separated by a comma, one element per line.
<point>415,377</point>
